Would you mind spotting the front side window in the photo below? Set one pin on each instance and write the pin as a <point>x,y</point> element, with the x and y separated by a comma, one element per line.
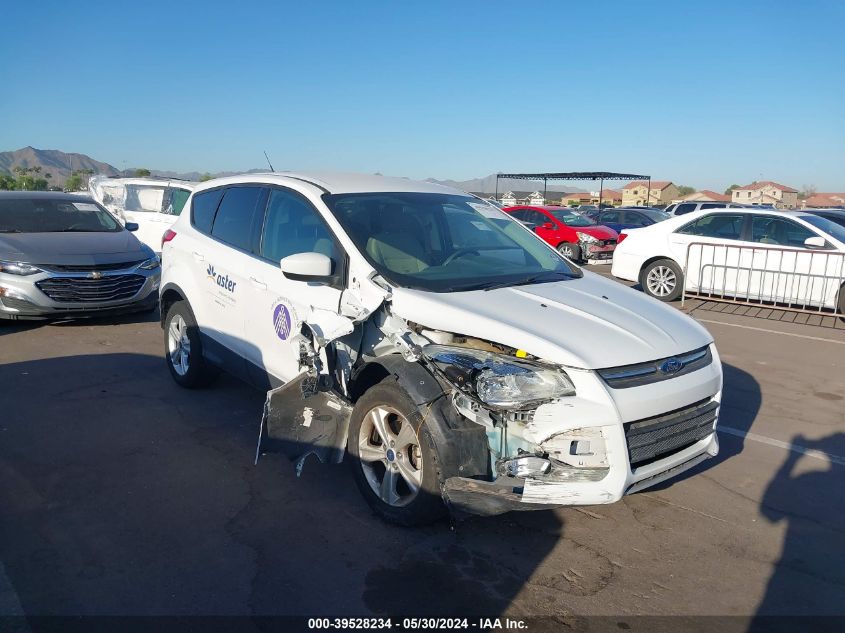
<point>684,208</point>
<point>234,220</point>
<point>293,226</point>
<point>611,216</point>
<point>718,225</point>
<point>832,225</point>
<point>144,198</point>
<point>44,215</point>
<point>444,242</point>
<point>767,229</point>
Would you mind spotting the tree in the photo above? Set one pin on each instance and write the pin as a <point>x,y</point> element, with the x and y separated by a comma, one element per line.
<point>807,191</point>
<point>685,190</point>
<point>74,182</point>
<point>206,176</point>
<point>730,189</point>
<point>142,173</point>
<point>7,182</point>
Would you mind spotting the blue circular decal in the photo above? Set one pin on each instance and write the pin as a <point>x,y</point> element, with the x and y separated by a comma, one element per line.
<point>281,321</point>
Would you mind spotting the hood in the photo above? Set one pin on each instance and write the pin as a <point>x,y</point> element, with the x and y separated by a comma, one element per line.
<point>589,323</point>
<point>72,248</point>
<point>600,232</point>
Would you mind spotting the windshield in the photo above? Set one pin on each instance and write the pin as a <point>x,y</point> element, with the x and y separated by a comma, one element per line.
<point>443,242</point>
<point>570,218</point>
<point>46,215</point>
<point>829,227</point>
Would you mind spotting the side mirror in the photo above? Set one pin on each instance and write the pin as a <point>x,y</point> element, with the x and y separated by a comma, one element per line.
<point>306,267</point>
<point>815,242</point>
<point>548,225</point>
<point>131,226</point>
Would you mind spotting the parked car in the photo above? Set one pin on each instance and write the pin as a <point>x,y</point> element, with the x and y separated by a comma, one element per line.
<point>151,203</point>
<point>574,235</point>
<point>785,256</point>
<point>628,217</point>
<point>682,208</point>
<point>435,341</point>
<point>837,216</point>
<point>63,255</point>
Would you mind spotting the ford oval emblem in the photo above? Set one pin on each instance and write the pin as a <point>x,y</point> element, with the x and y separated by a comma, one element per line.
<point>671,366</point>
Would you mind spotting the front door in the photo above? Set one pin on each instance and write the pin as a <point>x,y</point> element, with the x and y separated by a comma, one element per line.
<point>280,306</point>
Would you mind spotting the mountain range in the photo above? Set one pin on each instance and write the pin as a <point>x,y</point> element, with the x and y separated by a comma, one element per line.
<point>60,165</point>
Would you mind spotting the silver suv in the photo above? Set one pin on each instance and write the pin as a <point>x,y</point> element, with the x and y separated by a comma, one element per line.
<point>682,208</point>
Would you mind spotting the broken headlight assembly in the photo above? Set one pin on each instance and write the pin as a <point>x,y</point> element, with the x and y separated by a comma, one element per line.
<point>498,380</point>
<point>151,264</point>
<point>18,268</point>
<point>586,238</point>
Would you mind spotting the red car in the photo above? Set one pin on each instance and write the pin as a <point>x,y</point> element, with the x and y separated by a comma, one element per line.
<point>574,235</point>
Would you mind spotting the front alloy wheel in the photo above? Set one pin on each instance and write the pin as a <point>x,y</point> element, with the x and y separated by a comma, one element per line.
<point>390,456</point>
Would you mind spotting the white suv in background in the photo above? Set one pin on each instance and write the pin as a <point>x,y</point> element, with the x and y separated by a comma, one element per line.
<point>442,346</point>
<point>151,203</point>
<point>682,208</point>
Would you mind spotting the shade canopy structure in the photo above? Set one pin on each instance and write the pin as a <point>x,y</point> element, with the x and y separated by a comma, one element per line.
<point>601,176</point>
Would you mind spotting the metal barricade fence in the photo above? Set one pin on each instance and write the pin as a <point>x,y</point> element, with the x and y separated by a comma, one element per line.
<point>792,279</point>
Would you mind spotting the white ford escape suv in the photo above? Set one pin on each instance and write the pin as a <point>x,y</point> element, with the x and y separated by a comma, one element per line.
<point>447,351</point>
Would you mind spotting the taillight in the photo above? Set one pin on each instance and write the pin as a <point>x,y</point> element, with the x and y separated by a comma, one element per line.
<point>169,234</point>
<point>621,237</point>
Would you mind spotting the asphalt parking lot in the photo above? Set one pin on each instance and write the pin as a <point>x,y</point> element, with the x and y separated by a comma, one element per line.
<point>121,493</point>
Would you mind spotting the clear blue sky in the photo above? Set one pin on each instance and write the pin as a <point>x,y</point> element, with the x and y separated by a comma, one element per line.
<point>701,93</point>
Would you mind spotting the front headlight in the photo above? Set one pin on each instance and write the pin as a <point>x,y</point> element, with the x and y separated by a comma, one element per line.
<point>585,237</point>
<point>151,264</point>
<point>500,381</point>
<point>18,268</point>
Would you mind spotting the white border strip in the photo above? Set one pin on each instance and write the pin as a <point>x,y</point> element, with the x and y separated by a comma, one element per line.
<point>809,452</point>
<point>759,329</point>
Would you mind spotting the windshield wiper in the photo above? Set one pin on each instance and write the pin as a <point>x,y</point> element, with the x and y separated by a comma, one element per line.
<point>10,231</point>
<point>533,279</point>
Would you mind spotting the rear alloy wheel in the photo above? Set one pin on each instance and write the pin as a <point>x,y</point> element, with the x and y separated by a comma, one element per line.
<point>662,279</point>
<point>393,457</point>
<point>183,349</point>
<point>570,251</point>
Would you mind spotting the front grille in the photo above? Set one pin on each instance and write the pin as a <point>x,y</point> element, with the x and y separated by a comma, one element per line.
<point>607,242</point>
<point>87,268</point>
<point>640,374</point>
<point>83,290</point>
<point>654,438</point>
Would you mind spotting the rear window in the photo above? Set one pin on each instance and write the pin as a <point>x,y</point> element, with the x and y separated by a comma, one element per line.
<point>203,208</point>
<point>234,220</point>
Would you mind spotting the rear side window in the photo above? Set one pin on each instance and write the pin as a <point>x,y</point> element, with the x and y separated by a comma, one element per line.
<point>178,198</point>
<point>718,225</point>
<point>203,208</point>
<point>234,220</point>
<point>684,208</point>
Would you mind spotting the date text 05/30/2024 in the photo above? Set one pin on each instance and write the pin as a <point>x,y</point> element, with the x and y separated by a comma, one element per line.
<point>418,624</point>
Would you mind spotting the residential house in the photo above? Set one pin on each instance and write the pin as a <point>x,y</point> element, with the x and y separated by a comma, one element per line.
<point>508,199</point>
<point>705,195</point>
<point>608,197</point>
<point>640,193</point>
<point>822,200</point>
<point>574,199</point>
<point>766,192</point>
<point>536,198</point>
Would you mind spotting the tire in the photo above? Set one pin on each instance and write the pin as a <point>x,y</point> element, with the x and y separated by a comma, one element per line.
<point>183,349</point>
<point>570,251</point>
<point>383,467</point>
<point>662,279</point>
<point>842,303</point>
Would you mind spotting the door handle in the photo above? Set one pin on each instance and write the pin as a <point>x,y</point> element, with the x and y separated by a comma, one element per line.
<point>258,283</point>
<point>199,257</point>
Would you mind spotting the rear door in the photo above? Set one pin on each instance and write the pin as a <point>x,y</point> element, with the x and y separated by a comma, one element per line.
<point>703,247</point>
<point>280,306</point>
<point>226,254</point>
